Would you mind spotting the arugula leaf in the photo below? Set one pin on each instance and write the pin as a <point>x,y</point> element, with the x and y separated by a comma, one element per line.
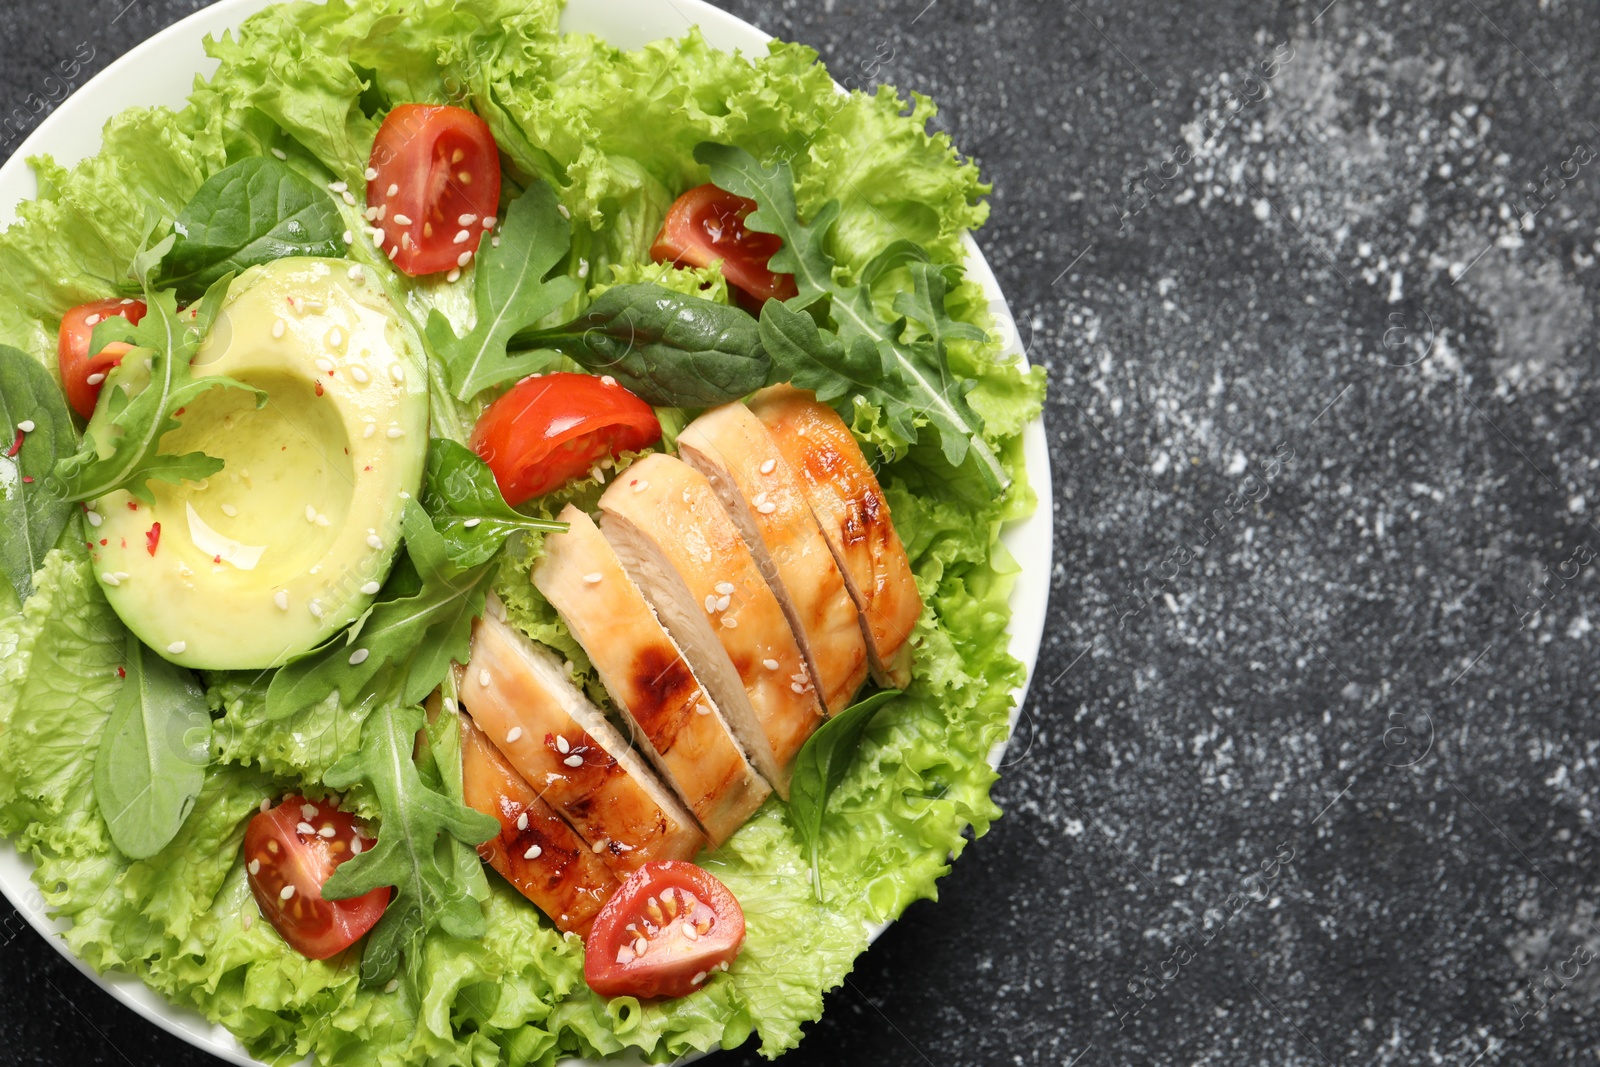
<point>821,766</point>
<point>121,442</point>
<point>917,370</point>
<point>413,631</point>
<point>464,501</point>
<point>153,754</point>
<point>427,894</point>
<point>255,211</point>
<point>671,349</point>
<point>510,293</point>
<point>32,510</point>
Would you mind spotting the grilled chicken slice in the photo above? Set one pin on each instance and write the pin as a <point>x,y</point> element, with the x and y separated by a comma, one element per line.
<point>535,851</point>
<point>520,697</point>
<point>667,527</point>
<point>854,516</point>
<point>672,719</point>
<point>764,498</point>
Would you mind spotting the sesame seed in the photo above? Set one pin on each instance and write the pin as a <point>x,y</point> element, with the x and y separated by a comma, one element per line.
<point>598,847</point>
<point>463,259</point>
<point>402,220</point>
<point>371,175</point>
<point>640,486</point>
<point>246,922</point>
<point>702,708</point>
<point>177,647</point>
<point>288,892</point>
<point>534,851</point>
<point>336,338</point>
<point>109,579</point>
<point>564,212</point>
<point>92,320</point>
<point>454,275</point>
<point>278,327</point>
<point>356,846</point>
<point>761,498</point>
<point>640,947</point>
<point>315,608</point>
<point>470,523</point>
<point>573,761</point>
<point>371,214</point>
<point>593,578</point>
<point>489,221</point>
<point>494,241</point>
<point>355,273</point>
<point>324,364</point>
<point>724,587</point>
<point>405,239</point>
<point>377,234</point>
<point>693,935</point>
<point>797,687</point>
<point>360,375</point>
<point>338,187</point>
<point>606,379</point>
<point>393,189</point>
<point>723,602</point>
<point>26,425</point>
<point>700,976</point>
<point>370,588</point>
<point>770,664</point>
<point>229,510</point>
<point>562,745</point>
<point>730,622</point>
<point>121,576</point>
<point>768,508</point>
<point>597,474</point>
<point>326,831</point>
<point>522,821</point>
<point>461,237</point>
<point>305,827</point>
<point>395,432</point>
<point>769,466</point>
<point>280,153</point>
<point>514,736</point>
<point>397,372</point>
<point>266,804</point>
<point>96,378</point>
<point>93,517</point>
<point>370,430</point>
<point>281,598</point>
<point>321,519</point>
<point>349,199</point>
<point>359,656</point>
<point>311,513</point>
<point>349,237</point>
<point>375,541</point>
<point>255,867</point>
<point>309,811</point>
<point>711,604</point>
<point>483,677</point>
<point>391,985</point>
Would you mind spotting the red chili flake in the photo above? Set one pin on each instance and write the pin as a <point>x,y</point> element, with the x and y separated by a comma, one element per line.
<point>102,543</point>
<point>152,537</point>
<point>179,412</point>
<point>367,467</point>
<point>122,672</point>
<point>133,505</point>
<point>124,541</point>
<point>16,446</point>
<point>216,559</point>
<point>319,393</point>
<point>27,479</point>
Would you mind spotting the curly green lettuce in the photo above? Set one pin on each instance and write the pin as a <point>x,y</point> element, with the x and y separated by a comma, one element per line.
<point>614,132</point>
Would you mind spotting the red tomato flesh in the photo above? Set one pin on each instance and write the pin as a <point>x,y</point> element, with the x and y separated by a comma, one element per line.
<point>72,350</point>
<point>549,429</point>
<point>437,186</point>
<point>289,852</point>
<point>705,225</point>
<point>668,928</point>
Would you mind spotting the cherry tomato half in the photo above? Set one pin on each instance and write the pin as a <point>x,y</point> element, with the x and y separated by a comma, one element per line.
<point>437,186</point>
<point>72,349</point>
<point>547,430</point>
<point>668,928</point>
<point>290,851</point>
<point>705,225</point>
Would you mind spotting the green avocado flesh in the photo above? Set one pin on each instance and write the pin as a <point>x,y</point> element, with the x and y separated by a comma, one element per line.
<point>288,543</point>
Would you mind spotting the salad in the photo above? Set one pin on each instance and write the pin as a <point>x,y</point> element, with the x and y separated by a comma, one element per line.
<point>501,536</point>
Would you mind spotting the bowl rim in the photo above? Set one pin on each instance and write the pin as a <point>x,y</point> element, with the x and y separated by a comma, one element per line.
<point>160,70</point>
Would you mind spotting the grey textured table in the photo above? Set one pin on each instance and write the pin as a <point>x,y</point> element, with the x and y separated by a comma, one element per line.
<point>1308,775</point>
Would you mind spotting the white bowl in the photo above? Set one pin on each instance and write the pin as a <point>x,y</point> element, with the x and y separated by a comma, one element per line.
<point>161,71</point>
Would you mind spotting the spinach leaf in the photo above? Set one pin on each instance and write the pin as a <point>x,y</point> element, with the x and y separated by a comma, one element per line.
<point>35,422</point>
<point>255,211</point>
<point>671,349</point>
<point>414,630</point>
<point>821,766</point>
<point>917,374</point>
<point>467,509</point>
<point>509,293</point>
<point>427,893</point>
<point>120,448</point>
<point>153,754</point>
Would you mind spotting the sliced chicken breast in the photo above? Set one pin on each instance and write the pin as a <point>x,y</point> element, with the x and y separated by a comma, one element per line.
<point>519,695</point>
<point>667,527</point>
<point>763,496</point>
<point>854,516</point>
<point>535,851</point>
<point>673,720</point>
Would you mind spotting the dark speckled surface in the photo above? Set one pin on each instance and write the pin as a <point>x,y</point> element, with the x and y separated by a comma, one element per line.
<point>1309,775</point>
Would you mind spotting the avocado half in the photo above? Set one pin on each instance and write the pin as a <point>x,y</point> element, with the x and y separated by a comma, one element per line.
<point>289,542</point>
